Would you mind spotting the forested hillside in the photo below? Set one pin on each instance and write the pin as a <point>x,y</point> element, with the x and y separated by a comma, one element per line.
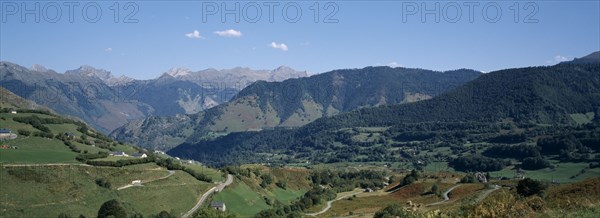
<point>536,100</point>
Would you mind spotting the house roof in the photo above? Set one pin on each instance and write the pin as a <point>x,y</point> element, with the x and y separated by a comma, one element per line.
<point>117,152</point>
<point>217,204</point>
<point>5,130</point>
<point>137,154</point>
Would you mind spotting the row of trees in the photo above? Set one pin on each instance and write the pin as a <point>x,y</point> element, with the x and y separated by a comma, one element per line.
<point>477,163</point>
<point>341,181</point>
<point>172,164</point>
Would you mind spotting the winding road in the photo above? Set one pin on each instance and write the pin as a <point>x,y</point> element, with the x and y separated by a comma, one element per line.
<point>329,204</point>
<point>445,195</point>
<point>486,193</point>
<point>217,188</point>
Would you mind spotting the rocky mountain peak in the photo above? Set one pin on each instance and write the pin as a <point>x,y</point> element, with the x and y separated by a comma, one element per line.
<point>178,72</point>
<point>39,68</point>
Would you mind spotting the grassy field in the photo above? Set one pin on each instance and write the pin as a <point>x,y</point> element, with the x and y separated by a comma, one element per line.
<point>438,166</point>
<point>72,190</point>
<point>216,175</point>
<point>178,193</point>
<point>47,190</point>
<point>33,149</point>
<point>63,128</point>
<point>563,172</point>
<point>115,158</point>
<point>36,150</point>
<point>287,196</point>
<point>241,199</point>
<point>89,148</point>
<point>583,118</point>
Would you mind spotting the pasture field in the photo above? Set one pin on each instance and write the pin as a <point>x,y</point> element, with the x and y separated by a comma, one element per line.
<point>72,190</point>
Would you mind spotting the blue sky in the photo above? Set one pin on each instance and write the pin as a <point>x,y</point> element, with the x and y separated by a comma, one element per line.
<point>366,33</point>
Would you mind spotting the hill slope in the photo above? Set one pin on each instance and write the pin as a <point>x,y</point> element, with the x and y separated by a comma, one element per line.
<point>10,100</point>
<point>48,167</point>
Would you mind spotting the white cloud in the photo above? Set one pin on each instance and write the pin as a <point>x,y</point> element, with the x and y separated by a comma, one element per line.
<point>558,58</point>
<point>281,46</point>
<point>394,64</point>
<point>229,33</point>
<point>108,49</point>
<point>305,43</point>
<point>194,35</point>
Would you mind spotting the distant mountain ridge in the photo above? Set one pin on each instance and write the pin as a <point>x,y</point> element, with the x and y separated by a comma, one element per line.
<point>296,102</point>
<point>107,102</point>
<point>104,75</point>
<point>238,77</point>
<point>591,58</point>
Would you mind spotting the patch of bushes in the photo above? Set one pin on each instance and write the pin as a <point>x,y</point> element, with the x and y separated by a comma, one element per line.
<point>24,132</point>
<point>102,182</point>
<point>86,157</point>
<point>394,210</point>
<point>477,163</point>
<point>120,163</point>
<point>535,163</point>
<point>469,178</point>
<point>514,151</point>
<point>528,187</point>
<point>198,175</point>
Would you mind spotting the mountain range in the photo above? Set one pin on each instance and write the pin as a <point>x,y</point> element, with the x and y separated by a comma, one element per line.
<point>521,99</point>
<point>295,102</point>
<point>107,102</point>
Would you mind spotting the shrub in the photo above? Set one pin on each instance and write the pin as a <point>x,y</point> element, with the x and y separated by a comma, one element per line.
<point>528,187</point>
<point>394,210</point>
<point>24,132</point>
<point>112,208</point>
<point>281,184</point>
<point>102,182</point>
<point>468,179</point>
<point>534,163</point>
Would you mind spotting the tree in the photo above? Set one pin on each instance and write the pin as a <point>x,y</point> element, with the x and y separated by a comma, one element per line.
<point>281,184</point>
<point>392,211</point>
<point>410,178</point>
<point>165,214</point>
<point>206,212</point>
<point>469,178</point>
<point>111,209</point>
<point>528,187</point>
<point>102,182</point>
<point>23,132</point>
<point>534,163</point>
<point>435,189</point>
<point>63,215</point>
